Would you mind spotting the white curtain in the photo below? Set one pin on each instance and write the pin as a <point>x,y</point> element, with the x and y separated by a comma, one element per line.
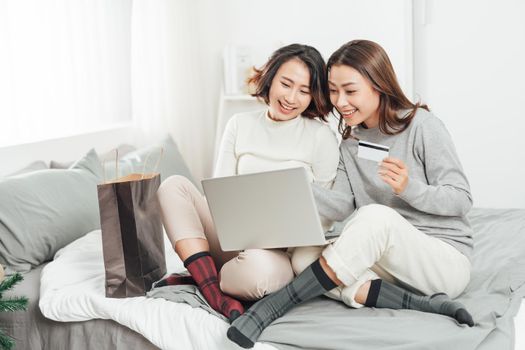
<point>167,82</point>
<point>64,67</point>
<point>73,66</point>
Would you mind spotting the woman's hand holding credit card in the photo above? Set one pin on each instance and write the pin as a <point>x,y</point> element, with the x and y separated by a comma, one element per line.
<point>391,170</point>
<point>395,173</point>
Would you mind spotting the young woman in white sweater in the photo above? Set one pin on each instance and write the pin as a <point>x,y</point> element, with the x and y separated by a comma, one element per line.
<point>290,132</point>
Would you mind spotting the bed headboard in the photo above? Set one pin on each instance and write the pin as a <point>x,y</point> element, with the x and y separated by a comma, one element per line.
<point>64,149</point>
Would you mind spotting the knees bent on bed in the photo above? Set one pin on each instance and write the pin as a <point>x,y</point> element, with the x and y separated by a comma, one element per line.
<point>176,184</point>
<point>303,257</point>
<point>255,273</point>
<point>184,210</point>
<point>377,238</point>
<point>368,221</point>
<point>363,242</point>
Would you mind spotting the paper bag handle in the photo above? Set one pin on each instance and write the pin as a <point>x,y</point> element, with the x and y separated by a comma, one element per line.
<point>156,164</point>
<point>116,166</point>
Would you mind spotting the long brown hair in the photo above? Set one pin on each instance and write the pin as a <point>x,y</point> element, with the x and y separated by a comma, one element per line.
<point>319,107</point>
<point>372,62</point>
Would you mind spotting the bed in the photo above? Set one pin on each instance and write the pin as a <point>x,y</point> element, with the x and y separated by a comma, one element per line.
<point>68,310</point>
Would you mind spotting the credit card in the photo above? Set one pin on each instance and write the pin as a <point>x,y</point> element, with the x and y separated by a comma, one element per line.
<point>372,151</point>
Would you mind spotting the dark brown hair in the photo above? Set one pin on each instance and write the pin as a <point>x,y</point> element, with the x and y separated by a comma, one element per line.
<point>320,106</point>
<point>372,62</point>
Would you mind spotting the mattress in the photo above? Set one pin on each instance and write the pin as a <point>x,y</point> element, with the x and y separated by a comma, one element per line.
<point>494,297</point>
<point>519,328</point>
<point>72,290</point>
<point>32,331</point>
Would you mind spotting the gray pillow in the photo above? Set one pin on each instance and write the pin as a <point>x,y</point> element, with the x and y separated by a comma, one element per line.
<point>171,163</point>
<point>34,166</point>
<point>40,212</point>
<point>123,149</point>
<point>60,165</point>
<point>108,156</point>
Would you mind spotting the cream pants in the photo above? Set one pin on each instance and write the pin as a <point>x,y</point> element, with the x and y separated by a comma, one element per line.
<point>377,242</point>
<point>249,274</point>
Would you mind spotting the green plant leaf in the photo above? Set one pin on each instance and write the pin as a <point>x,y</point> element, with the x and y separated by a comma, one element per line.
<point>6,342</point>
<point>10,281</point>
<point>13,304</point>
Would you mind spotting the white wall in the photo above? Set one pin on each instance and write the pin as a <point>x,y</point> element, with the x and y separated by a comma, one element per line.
<point>325,25</point>
<point>469,68</point>
<point>463,58</point>
<point>64,149</point>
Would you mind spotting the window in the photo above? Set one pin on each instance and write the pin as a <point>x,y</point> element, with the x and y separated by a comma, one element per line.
<point>64,67</point>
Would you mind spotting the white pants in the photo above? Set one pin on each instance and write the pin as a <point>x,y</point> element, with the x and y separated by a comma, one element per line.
<point>377,242</point>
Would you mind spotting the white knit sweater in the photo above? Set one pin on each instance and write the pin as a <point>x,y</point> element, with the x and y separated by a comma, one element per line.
<point>252,142</point>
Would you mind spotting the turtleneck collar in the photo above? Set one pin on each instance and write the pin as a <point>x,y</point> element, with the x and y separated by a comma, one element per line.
<point>280,123</point>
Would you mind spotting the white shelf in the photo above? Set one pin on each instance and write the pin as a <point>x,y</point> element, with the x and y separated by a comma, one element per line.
<point>228,106</point>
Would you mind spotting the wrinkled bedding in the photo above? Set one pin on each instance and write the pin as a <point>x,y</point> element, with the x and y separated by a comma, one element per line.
<point>72,289</point>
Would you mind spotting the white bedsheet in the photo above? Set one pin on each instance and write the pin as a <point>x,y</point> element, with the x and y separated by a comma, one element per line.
<point>519,328</point>
<point>72,289</point>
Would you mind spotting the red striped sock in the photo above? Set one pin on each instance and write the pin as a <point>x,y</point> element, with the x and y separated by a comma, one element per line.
<point>203,270</point>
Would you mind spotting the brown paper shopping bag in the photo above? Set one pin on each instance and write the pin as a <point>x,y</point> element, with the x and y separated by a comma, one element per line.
<point>132,236</point>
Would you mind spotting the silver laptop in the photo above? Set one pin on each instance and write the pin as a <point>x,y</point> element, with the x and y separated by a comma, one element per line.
<point>274,209</point>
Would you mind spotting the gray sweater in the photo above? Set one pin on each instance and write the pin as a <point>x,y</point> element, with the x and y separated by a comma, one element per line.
<point>437,196</point>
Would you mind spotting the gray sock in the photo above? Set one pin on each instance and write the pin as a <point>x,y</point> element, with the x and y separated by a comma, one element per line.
<point>312,282</point>
<point>386,295</point>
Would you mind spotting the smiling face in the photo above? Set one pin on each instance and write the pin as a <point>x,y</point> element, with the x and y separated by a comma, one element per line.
<point>289,94</point>
<point>353,96</point>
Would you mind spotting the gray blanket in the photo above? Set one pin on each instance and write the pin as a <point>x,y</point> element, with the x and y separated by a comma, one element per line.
<point>32,331</point>
<point>493,296</point>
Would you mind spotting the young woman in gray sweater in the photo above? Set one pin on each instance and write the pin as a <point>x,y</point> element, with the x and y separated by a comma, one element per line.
<point>407,225</point>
